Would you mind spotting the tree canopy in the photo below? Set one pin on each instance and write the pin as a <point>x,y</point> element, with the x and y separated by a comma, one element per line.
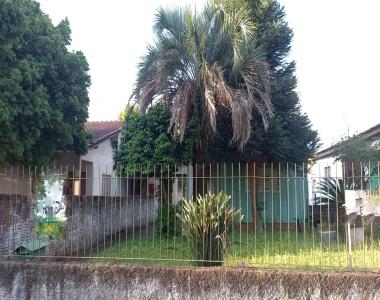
<point>290,136</point>
<point>358,149</point>
<point>145,142</point>
<point>206,65</point>
<point>43,87</point>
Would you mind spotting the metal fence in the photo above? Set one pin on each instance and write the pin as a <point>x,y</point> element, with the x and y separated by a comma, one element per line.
<point>281,215</point>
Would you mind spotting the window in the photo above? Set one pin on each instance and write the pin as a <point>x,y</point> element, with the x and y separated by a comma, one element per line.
<point>328,172</point>
<point>106,185</point>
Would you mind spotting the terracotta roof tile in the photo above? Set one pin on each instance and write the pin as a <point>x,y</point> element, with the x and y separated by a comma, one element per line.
<point>100,130</point>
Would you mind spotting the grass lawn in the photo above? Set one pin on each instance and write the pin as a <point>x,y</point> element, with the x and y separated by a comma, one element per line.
<point>267,250</point>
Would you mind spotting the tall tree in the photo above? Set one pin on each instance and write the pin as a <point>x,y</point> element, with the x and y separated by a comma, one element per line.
<point>290,136</point>
<point>204,66</point>
<point>43,86</point>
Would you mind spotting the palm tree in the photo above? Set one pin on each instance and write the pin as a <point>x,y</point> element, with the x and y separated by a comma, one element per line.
<point>204,64</point>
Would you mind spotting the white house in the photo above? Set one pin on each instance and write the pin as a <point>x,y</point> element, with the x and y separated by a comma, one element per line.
<point>93,174</point>
<point>326,166</point>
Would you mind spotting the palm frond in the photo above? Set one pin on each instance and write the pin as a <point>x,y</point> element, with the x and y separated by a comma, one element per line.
<point>241,118</point>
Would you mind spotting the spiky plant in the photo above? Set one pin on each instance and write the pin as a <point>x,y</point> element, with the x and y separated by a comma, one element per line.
<point>206,223</point>
<point>206,63</point>
<point>332,189</point>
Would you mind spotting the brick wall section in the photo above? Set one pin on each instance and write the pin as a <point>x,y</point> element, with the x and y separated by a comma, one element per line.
<point>16,222</point>
<point>93,223</point>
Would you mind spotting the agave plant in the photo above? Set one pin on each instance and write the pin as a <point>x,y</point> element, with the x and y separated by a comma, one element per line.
<point>203,64</point>
<point>332,189</point>
<point>206,223</point>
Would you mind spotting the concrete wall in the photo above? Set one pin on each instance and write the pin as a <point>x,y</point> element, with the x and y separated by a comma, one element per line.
<point>91,222</point>
<point>85,281</point>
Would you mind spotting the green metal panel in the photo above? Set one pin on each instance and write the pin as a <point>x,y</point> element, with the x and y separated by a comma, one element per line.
<point>288,204</point>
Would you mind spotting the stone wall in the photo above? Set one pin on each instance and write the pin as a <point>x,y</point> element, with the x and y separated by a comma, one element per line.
<point>100,281</point>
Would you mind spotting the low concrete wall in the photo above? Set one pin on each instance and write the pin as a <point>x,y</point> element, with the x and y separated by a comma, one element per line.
<point>85,281</point>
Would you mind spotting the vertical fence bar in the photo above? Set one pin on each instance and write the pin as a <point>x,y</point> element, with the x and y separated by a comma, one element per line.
<point>233,206</point>
<point>255,210</point>
<point>241,209</point>
<point>305,202</point>
<point>147,202</point>
<point>119,191</point>
<point>280,180</point>
<point>272,213</point>
<point>296,200</point>
<point>264,211</point>
<point>288,207</point>
<point>175,180</point>
<point>133,208</point>
<point>210,250</point>
<point>140,212</point>
<point>168,216</point>
<point>127,192</point>
<point>185,197</point>
<point>225,190</point>
<point>337,208</point>
<point>247,205</point>
<point>161,207</point>
<point>204,221</point>
<point>361,212</point>
<point>154,201</point>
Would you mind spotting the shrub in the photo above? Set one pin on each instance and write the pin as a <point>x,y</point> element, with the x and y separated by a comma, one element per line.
<point>207,222</point>
<point>49,229</point>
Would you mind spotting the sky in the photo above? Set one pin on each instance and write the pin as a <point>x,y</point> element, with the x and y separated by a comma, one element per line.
<point>336,47</point>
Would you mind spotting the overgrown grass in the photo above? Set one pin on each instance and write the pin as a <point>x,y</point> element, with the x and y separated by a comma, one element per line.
<point>267,249</point>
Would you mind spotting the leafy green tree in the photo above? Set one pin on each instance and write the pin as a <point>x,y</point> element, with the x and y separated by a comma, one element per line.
<point>127,110</point>
<point>206,65</point>
<point>43,87</point>
<point>358,149</point>
<point>145,142</point>
<point>290,136</point>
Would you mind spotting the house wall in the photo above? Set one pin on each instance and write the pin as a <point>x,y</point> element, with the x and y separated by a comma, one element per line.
<point>282,197</point>
<point>101,157</point>
<point>318,171</point>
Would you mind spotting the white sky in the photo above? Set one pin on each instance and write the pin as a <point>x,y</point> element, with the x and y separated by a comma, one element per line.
<point>336,46</point>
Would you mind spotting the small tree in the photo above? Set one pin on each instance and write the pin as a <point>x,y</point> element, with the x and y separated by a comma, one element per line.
<point>207,222</point>
<point>147,149</point>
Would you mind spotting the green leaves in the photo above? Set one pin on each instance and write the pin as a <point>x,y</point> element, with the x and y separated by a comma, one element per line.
<point>207,221</point>
<point>43,87</point>
<point>197,62</point>
<point>145,142</point>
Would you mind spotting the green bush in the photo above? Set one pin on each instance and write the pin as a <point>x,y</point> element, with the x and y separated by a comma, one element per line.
<point>167,222</point>
<point>49,230</point>
<point>207,223</point>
